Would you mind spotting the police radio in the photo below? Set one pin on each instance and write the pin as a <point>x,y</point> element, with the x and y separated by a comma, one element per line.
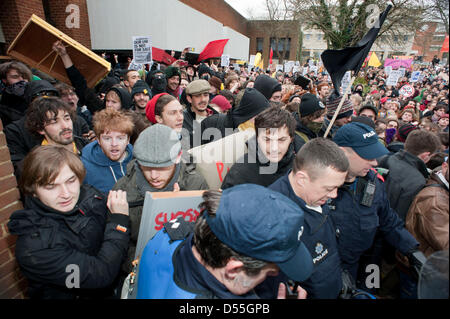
<point>368,194</point>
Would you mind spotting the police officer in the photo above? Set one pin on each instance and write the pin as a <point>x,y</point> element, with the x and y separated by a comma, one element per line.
<point>319,168</point>
<point>243,235</point>
<point>362,206</point>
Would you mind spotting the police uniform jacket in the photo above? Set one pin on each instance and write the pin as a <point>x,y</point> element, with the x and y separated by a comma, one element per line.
<point>357,224</point>
<point>319,236</point>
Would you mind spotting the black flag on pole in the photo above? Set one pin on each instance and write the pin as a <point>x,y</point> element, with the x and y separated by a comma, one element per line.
<point>337,62</point>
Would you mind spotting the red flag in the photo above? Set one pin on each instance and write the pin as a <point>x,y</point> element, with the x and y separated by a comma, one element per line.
<point>445,45</point>
<point>162,56</point>
<point>213,49</point>
<point>271,55</point>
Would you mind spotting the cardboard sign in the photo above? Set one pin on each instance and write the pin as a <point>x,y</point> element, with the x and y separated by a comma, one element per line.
<point>415,76</point>
<point>33,46</point>
<point>225,60</point>
<point>406,90</point>
<point>393,77</point>
<point>160,207</point>
<point>142,50</point>
<point>135,66</point>
<point>388,70</point>
<point>215,159</point>
<point>345,82</point>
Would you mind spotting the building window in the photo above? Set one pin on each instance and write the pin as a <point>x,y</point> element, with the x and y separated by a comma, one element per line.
<point>283,43</point>
<point>259,45</point>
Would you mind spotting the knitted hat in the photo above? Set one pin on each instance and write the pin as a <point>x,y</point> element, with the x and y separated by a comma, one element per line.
<point>140,87</point>
<point>215,81</point>
<point>221,102</point>
<point>310,104</point>
<point>332,103</point>
<point>157,146</point>
<point>171,71</point>
<point>404,130</point>
<point>150,107</point>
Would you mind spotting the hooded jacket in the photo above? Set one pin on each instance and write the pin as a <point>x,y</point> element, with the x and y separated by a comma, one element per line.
<point>13,105</point>
<point>101,172</point>
<point>49,242</point>
<point>267,85</point>
<point>125,97</point>
<point>252,103</point>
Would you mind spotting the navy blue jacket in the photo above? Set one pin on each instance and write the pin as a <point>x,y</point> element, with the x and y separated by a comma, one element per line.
<point>357,224</point>
<point>319,236</point>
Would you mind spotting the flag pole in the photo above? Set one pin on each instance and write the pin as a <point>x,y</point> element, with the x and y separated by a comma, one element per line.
<point>339,106</point>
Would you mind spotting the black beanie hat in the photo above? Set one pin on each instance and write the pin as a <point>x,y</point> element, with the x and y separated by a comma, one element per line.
<point>140,87</point>
<point>310,104</point>
<point>125,97</point>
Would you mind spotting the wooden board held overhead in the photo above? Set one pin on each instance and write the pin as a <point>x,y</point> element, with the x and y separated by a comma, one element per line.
<point>33,46</point>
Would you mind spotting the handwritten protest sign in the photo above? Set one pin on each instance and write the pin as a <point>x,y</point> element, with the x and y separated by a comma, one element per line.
<point>345,82</point>
<point>393,77</point>
<point>388,70</point>
<point>162,207</point>
<point>225,60</point>
<point>142,50</point>
<point>415,76</point>
<point>215,159</point>
<point>406,90</point>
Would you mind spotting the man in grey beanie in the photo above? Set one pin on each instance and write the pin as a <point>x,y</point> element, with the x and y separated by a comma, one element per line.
<point>156,167</point>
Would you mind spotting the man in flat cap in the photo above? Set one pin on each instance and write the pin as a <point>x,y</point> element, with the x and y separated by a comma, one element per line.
<point>197,94</point>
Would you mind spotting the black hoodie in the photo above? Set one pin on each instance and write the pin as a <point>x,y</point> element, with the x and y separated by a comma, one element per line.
<point>252,103</point>
<point>125,97</point>
<point>267,85</point>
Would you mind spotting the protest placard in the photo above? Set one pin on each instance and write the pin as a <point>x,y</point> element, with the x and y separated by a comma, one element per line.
<point>33,46</point>
<point>393,77</point>
<point>252,60</point>
<point>162,207</point>
<point>142,49</point>
<point>279,67</point>
<point>225,60</point>
<point>214,160</point>
<point>388,70</point>
<point>346,80</point>
<point>415,76</point>
<point>135,66</point>
<point>403,71</point>
<point>406,90</point>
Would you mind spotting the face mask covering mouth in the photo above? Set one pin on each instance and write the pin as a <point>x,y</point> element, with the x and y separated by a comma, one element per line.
<point>159,83</point>
<point>17,88</point>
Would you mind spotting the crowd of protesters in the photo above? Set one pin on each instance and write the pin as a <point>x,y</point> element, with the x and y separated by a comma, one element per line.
<point>372,191</point>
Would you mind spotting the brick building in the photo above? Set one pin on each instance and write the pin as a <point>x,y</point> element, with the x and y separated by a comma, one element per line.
<point>428,41</point>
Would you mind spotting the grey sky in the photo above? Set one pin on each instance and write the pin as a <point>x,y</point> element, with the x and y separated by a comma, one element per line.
<point>248,8</point>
